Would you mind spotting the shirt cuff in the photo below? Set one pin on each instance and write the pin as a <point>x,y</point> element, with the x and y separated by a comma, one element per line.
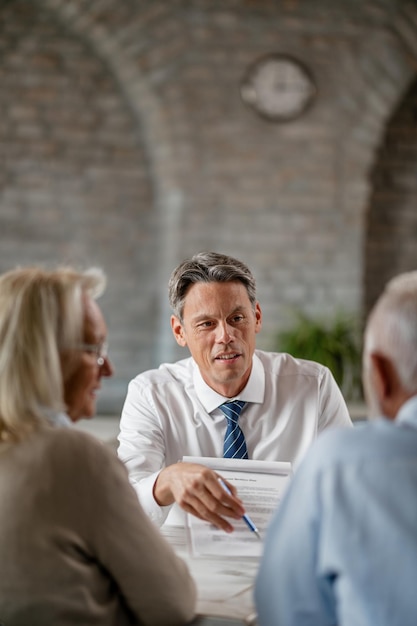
<point>144,490</point>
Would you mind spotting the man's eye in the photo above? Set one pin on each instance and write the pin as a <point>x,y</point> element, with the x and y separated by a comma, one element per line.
<point>205,324</point>
<point>237,318</point>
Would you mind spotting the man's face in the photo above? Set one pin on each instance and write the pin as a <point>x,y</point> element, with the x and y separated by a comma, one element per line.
<point>219,327</point>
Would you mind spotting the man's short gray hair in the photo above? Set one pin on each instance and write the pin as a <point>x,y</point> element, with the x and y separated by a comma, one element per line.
<point>392,327</point>
<point>207,267</point>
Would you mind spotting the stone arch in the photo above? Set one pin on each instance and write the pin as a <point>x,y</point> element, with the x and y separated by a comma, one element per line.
<point>391,242</point>
<point>149,113</point>
<point>386,77</point>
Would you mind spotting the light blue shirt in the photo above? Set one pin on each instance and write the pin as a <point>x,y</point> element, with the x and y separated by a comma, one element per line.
<point>342,547</point>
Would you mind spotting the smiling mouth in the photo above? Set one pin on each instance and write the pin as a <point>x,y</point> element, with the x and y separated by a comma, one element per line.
<point>227,357</point>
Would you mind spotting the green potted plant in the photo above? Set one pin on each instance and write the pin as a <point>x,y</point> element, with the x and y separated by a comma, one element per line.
<point>334,343</point>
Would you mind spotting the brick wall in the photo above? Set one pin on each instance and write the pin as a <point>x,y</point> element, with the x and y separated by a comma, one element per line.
<point>124,143</point>
<point>391,233</point>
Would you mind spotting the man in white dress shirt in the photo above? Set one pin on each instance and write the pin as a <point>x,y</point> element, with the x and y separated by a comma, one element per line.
<point>174,410</point>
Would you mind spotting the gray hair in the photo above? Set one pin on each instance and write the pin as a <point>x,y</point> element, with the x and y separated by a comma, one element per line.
<point>41,317</point>
<point>392,327</point>
<point>207,267</point>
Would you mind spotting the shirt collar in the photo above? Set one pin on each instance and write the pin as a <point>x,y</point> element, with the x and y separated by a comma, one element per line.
<point>60,420</point>
<point>254,390</point>
<point>408,413</point>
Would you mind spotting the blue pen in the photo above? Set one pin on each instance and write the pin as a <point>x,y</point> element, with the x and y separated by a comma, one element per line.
<point>245,517</point>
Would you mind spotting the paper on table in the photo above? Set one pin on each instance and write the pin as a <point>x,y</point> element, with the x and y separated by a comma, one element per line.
<point>260,485</point>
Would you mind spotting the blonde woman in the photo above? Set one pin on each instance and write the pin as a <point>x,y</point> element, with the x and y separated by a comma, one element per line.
<point>75,544</point>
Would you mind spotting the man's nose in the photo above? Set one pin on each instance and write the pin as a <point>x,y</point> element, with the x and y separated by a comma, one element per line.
<point>224,333</point>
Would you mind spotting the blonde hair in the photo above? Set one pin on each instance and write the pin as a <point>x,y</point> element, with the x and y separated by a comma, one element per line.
<point>41,316</point>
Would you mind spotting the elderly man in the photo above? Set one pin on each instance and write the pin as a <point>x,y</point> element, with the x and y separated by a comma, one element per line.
<point>342,547</point>
<point>192,407</point>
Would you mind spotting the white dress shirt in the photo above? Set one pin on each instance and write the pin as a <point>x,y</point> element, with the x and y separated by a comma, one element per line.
<point>170,412</point>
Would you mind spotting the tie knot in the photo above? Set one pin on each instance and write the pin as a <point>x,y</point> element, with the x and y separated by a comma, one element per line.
<point>232,409</point>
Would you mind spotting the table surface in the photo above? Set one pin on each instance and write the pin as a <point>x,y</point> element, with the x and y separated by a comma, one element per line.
<point>220,621</point>
<point>225,588</point>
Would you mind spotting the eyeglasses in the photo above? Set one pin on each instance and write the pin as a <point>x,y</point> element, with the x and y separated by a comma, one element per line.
<point>100,350</point>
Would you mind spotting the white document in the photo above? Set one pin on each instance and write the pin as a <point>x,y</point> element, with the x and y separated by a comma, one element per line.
<point>260,486</point>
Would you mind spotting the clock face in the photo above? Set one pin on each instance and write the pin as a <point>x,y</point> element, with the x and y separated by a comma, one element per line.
<point>278,87</point>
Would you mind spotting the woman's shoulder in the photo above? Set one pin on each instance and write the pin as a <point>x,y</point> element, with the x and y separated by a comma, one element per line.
<point>71,445</point>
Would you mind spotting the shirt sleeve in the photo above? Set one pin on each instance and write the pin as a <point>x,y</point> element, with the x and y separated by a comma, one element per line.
<point>142,448</point>
<point>154,582</point>
<point>288,590</point>
<point>332,406</point>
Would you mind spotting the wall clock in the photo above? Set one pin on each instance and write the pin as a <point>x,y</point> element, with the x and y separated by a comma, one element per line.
<point>278,87</point>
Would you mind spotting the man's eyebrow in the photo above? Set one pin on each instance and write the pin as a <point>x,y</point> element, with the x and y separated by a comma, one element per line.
<point>201,316</point>
<point>206,316</point>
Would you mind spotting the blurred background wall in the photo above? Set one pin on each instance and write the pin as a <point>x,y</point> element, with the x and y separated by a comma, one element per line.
<point>125,143</point>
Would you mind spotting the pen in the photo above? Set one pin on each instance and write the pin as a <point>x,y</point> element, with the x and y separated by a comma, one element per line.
<point>245,517</point>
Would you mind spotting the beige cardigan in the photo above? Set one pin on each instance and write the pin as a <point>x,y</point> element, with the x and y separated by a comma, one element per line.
<point>75,544</point>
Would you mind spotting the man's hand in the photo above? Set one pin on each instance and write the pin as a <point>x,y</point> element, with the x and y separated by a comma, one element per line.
<point>197,490</point>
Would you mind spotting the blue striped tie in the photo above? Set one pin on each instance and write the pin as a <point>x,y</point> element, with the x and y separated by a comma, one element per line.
<point>234,446</point>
